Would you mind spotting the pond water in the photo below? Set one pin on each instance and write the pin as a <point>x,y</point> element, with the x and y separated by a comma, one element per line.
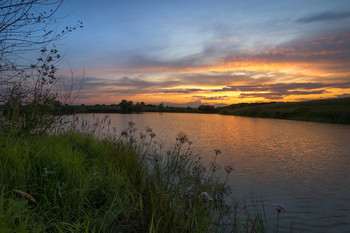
<point>303,165</point>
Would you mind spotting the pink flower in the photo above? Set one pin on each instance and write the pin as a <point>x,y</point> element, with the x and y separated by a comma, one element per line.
<point>206,196</point>
<point>279,207</point>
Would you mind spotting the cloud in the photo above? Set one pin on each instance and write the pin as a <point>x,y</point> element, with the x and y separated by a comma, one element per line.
<point>225,97</point>
<point>281,90</point>
<point>171,84</point>
<point>278,95</point>
<point>333,49</point>
<point>181,91</point>
<point>344,95</point>
<point>267,96</point>
<point>324,16</point>
<point>222,78</point>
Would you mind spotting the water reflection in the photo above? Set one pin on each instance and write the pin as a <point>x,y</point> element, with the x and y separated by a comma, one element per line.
<point>304,165</point>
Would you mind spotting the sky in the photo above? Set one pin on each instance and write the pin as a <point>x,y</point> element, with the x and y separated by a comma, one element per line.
<point>207,52</point>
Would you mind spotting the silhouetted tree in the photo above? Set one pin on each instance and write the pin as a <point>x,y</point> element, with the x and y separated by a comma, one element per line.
<point>125,106</point>
<point>28,27</point>
<point>206,108</point>
<point>138,107</point>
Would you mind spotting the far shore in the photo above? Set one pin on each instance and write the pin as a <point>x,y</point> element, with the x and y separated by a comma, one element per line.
<point>336,111</point>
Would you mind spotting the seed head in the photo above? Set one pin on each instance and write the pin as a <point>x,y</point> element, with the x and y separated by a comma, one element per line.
<point>228,169</point>
<point>217,151</point>
<point>279,207</point>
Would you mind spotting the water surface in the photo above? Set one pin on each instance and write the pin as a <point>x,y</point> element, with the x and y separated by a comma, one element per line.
<point>303,165</point>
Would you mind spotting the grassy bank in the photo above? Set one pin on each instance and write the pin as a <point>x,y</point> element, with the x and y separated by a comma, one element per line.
<point>76,183</point>
<point>329,111</point>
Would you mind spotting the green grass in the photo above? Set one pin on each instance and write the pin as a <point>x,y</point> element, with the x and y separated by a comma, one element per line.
<point>128,182</point>
<point>77,183</point>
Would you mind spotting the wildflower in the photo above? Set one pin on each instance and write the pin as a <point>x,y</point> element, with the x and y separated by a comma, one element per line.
<point>131,124</point>
<point>206,197</point>
<point>157,157</point>
<point>168,152</point>
<point>152,135</point>
<point>124,133</point>
<point>114,129</point>
<point>148,129</point>
<point>215,167</point>
<point>190,142</point>
<point>132,140</point>
<point>146,144</point>
<point>182,137</point>
<point>228,169</point>
<point>217,151</point>
<point>142,136</point>
<point>279,207</point>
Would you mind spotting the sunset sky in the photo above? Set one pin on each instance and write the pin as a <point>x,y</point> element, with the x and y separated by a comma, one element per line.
<point>208,52</point>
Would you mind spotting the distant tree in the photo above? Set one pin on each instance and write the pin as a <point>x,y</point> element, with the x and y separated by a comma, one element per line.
<point>126,106</point>
<point>138,107</point>
<point>206,108</point>
<point>160,107</point>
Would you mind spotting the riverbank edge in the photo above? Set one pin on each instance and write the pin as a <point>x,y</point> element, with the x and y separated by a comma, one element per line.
<point>78,183</point>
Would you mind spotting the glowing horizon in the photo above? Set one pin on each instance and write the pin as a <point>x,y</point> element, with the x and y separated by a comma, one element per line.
<point>178,53</point>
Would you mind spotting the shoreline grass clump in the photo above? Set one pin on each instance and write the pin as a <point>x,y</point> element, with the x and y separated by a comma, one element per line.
<point>84,180</point>
<point>72,182</point>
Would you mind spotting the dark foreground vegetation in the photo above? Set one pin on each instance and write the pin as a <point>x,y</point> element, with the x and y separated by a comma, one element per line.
<point>72,181</point>
<point>76,183</point>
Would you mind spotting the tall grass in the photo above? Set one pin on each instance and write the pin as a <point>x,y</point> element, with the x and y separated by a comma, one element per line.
<point>118,182</point>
